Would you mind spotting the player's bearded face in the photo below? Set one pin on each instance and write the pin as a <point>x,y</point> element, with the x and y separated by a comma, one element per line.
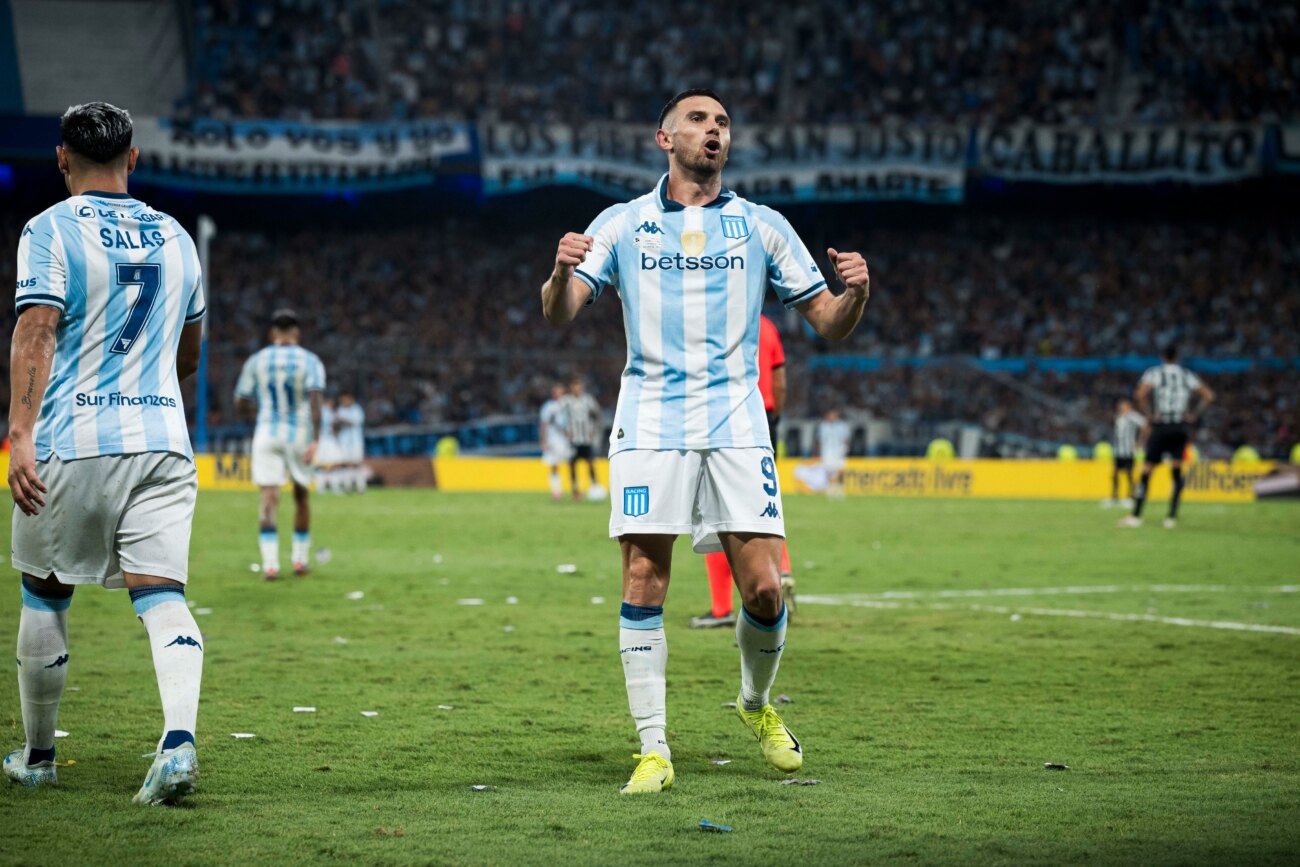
<point>701,139</point>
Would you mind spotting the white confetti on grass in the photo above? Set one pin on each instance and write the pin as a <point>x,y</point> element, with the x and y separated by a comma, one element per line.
<point>446,707</point>
<point>369,713</point>
<point>202,611</point>
<point>355,595</point>
<point>598,600</point>
<point>339,639</point>
<point>512,600</point>
<point>469,601</point>
<point>304,709</point>
<point>60,733</point>
<point>482,788</point>
<point>720,761</point>
<point>567,568</point>
<point>242,735</point>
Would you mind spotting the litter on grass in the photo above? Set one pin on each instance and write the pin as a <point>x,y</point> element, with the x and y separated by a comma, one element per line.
<point>437,558</point>
<point>355,595</point>
<point>67,764</point>
<point>1015,618</point>
<point>202,611</point>
<point>719,761</point>
<point>469,601</point>
<point>728,704</point>
<point>566,568</point>
<point>783,699</point>
<point>73,689</point>
<point>1053,766</point>
<point>242,735</point>
<point>706,825</point>
<point>598,600</point>
<point>446,707</point>
<point>444,581</point>
<point>60,733</point>
<point>482,788</point>
<point>793,782</point>
<point>190,603</point>
<point>512,600</point>
<point>253,567</point>
<point>339,639</point>
<point>304,709</point>
<point>323,555</point>
<point>507,629</point>
<point>370,713</point>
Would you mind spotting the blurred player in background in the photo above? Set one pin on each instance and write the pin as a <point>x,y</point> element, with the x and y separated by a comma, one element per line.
<point>583,415</point>
<point>110,308</point>
<point>350,431</point>
<point>690,450</point>
<point>554,426</point>
<point>283,383</point>
<point>327,458</point>
<point>771,382</point>
<point>1130,425</point>
<point>1164,395</point>
<point>833,435</point>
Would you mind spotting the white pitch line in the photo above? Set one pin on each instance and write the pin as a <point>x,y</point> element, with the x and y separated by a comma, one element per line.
<point>858,602</point>
<point>1075,590</point>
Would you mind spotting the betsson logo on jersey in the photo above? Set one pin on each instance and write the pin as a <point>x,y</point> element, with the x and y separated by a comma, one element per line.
<point>678,262</point>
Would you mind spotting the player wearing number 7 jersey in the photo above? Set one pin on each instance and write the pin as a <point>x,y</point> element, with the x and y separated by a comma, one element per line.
<point>110,309</point>
<point>690,450</point>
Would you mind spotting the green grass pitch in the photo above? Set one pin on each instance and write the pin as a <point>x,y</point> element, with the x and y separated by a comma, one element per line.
<point>926,715</point>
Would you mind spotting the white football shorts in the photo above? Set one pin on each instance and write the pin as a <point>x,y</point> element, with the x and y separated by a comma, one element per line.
<point>104,515</point>
<point>703,493</point>
<point>556,451</point>
<point>276,461</point>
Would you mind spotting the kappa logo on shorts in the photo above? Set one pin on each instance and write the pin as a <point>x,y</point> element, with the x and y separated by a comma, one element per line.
<point>770,512</point>
<point>636,501</point>
<point>185,641</point>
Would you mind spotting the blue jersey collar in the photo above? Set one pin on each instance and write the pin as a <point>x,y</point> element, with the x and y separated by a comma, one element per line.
<point>97,194</point>
<point>667,204</point>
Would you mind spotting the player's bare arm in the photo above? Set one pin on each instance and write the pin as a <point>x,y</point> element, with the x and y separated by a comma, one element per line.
<point>562,296</point>
<point>1142,397</point>
<point>188,350</point>
<point>1206,396</point>
<point>310,454</point>
<point>778,389</point>
<point>30,358</point>
<point>835,317</point>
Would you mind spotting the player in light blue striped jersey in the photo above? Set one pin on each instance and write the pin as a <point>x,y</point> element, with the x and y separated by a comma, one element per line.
<point>285,382</point>
<point>689,450</point>
<point>110,308</point>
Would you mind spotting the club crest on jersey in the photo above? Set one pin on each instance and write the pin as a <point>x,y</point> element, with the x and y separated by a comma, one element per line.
<point>734,227</point>
<point>693,243</point>
<point>636,501</point>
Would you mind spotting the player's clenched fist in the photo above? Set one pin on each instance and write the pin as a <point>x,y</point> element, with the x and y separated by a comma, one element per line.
<point>851,268</point>
<point>573,249</point>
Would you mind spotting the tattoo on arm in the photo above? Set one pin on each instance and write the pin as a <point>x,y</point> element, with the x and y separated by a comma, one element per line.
<point>31,386</point>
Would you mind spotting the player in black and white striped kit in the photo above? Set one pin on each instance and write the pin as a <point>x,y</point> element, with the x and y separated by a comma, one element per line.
<point>1164,395</point>
<point>1130,428</point>
<point>584,430</point>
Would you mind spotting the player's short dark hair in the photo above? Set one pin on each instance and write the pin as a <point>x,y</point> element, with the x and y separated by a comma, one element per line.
<point>97,131</point>
<point>284,319</point>
<point>687,94</point>
<point>1170,352</point>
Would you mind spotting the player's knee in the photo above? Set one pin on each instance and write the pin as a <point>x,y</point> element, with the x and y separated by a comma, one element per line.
<point>765,599</point>
<point>47,587</point>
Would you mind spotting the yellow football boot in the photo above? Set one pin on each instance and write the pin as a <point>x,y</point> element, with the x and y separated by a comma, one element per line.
<point>653,774</point>
<point>780,746</point>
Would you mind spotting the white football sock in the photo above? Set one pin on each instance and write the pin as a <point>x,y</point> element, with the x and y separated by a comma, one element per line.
<point>269,542</point>
<point>177,658</point>
<point>556,490</point>
<point>362,479</point>
<point>760,656</point>
<point>644,651</point>
<point>42,665</point>
<point>301,547</point>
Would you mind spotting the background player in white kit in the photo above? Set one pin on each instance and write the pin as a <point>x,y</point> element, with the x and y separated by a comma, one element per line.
<point>1130,426</point>
<point>327,457</point>
<point>553,432</point>
<point>833,435</point>
<point>110,308</point>
<point>1164,395</point>
<point>350,431</point>
<point>583,415</point>
<point>285,382</point>
<point>690,450</point>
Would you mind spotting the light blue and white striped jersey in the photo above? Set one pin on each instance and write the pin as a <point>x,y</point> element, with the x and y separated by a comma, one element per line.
<point>127,280</point>
<point>281,380</point>
<point>692,281</point>
<point>352,435</point>
<point>328,439</point>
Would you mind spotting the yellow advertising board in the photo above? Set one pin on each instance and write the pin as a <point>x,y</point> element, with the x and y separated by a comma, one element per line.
<point>1207,481</point>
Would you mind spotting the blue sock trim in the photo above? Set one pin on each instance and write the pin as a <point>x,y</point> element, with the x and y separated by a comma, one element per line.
<point>39,600</point>
<point>299,536</point>
<point>34,755</point>
<point>144,598</point>
<point>641,616</point>
<point>176,737</point>
<point>766,624</point>
<point>266,535</point>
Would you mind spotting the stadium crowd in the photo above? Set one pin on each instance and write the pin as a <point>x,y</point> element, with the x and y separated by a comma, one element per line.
<point>578,60</point>
<point>441,323</point>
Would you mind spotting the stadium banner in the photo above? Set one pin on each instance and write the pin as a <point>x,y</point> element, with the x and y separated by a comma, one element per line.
<point>777,164</point>
<point>1209,482</point>
<point>288,157</point>
<point>1137,154</point>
